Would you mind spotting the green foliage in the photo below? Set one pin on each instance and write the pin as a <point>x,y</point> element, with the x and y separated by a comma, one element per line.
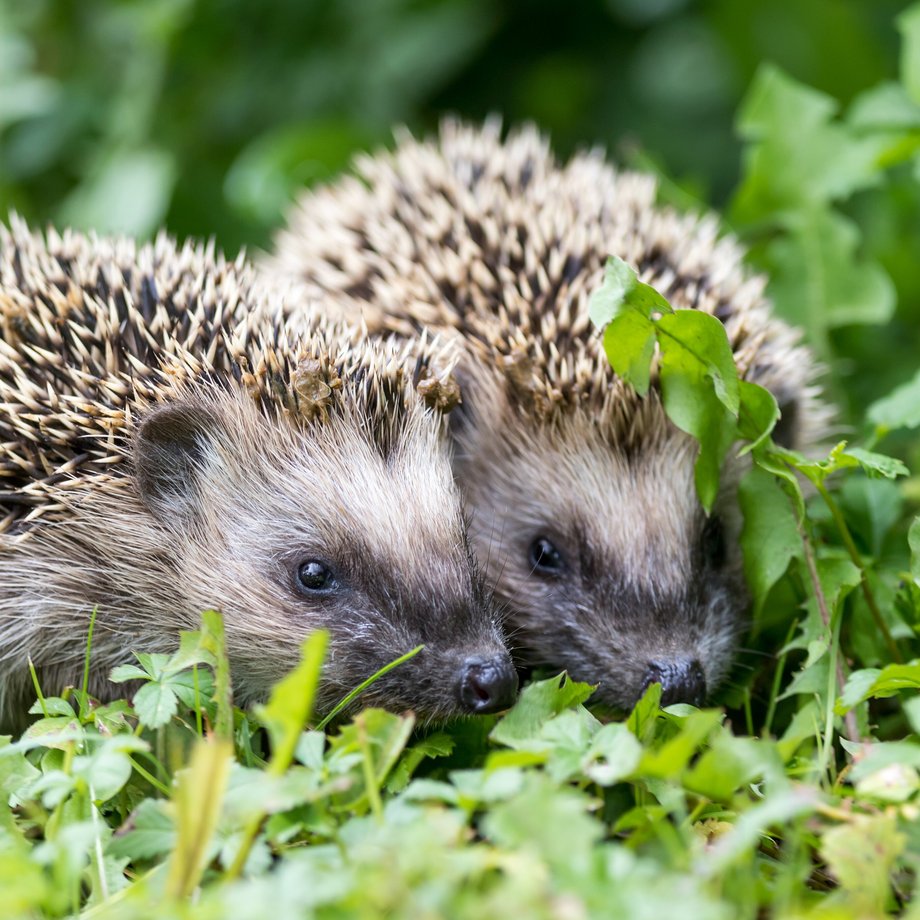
<point>798,795</point>
<point>699,383</point>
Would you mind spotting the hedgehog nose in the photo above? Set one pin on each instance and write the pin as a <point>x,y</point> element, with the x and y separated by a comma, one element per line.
<point>682,680</point>
<point>487,684</point>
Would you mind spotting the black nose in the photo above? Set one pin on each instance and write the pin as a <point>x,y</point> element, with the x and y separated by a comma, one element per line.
<point>487,684</point>
<point>682,680</point>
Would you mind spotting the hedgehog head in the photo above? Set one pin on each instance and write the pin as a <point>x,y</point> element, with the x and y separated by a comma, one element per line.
<point>170,449</point>
<point>592,532</point>
<point>288,516</point>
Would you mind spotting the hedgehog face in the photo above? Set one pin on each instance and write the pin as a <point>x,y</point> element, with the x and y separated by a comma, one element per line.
<point>607,563</point>
<point>289,528</point>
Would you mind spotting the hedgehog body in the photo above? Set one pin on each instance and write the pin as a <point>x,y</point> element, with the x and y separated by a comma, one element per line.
<point>581,492</point>
<point>166,451</point>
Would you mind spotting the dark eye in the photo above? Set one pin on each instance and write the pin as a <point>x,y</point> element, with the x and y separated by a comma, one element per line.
<point>314,576</point>
<point>545,559</point>
<point>714,543</point>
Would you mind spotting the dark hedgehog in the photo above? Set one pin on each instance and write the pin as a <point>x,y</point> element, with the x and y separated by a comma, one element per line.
<point>165,450</point>
<point>582,494</point>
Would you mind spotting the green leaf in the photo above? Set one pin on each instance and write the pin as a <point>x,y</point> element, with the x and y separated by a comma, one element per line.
<point>288,708</point>
<point>625,305</point>
<point>696,343</point>
<point>758,414</point>
<point>770,539</point>
<point>886,107</point>
<point>106,771</point>
<point>155,704</point>
<point>629,343</point>
<point>730,764</point>
<point>148,833</point>
<point>797,154</point>
<point>818,280</point>
<point>643,720</point>
<point>614,753</point>
<point>126,672</point>
<point>127,193</point>
<point>699,385</point>
<point>913,539</point>
<point>382,736</point>
<point>861,854</point>
<point>669,760</point>
<point>566,739</point>
<point>877,464</point>
<point>621,292</point>
<point>875,683</point>
<point>545,820</point>
<point>609,300</point>
<point>899,409</point>
<point>538,703</point>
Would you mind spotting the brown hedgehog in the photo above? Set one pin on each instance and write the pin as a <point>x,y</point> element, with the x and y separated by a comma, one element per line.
<point>582,494</point>
<point>160,457</point>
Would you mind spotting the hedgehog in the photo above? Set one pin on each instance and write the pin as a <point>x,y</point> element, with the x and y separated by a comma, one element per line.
<point>165,450</point>
<point>581,493</point>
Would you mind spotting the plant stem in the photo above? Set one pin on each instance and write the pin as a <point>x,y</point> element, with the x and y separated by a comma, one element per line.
<point>853,552</point>
<point>850,717</point>
<point>777,678</point>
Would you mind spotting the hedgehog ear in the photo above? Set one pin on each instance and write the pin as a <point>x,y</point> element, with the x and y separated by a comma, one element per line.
<point>170,453</point>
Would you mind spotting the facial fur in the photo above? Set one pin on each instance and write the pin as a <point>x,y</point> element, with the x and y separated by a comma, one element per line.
<point>645,577</point>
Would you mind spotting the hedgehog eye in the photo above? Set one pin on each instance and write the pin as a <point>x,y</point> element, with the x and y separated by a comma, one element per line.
<point>314,577</point>
<point>714,543</point>
<point>545,559</point>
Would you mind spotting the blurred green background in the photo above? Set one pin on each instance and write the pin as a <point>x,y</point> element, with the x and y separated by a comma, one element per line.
<point>208,115</point>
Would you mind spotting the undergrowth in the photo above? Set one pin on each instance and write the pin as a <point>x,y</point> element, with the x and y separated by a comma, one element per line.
<point>798,795</point>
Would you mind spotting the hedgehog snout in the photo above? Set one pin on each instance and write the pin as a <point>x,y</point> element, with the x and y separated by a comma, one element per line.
<point>682,680</point>
<point>487,684</point>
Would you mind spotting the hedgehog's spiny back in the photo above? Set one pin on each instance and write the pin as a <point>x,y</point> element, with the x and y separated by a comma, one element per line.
<point>93,329</point>
<point>497,240</point>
